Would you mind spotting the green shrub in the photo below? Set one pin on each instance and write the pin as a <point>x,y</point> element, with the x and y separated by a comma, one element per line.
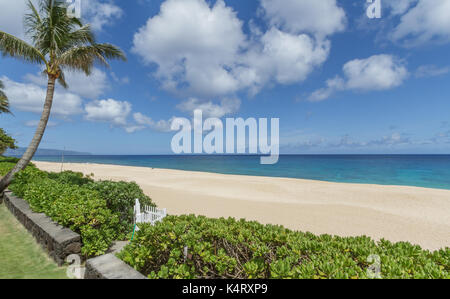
<point>5,167</point>
<point>8,163</point>
<point>80,209</point>
<point>4,159</point>
<point>120,197</point>
<point>24,178</point>
<point>70,177</point>
<point>101,212</point>
<point>226,248</point>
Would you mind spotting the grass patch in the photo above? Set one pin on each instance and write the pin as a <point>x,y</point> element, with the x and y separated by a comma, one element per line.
<point>20,256</point>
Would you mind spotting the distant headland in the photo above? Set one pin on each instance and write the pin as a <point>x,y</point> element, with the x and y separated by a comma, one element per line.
<point>46,152</point>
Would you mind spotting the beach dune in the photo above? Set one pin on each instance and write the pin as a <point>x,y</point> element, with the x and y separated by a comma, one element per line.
<point>396,213</point>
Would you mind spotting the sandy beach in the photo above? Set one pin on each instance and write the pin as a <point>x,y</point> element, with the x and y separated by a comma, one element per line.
<point>396,213</point>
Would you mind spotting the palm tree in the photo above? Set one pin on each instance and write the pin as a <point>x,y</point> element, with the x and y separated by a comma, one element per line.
<point>4,104</point>
<point>58,42</point>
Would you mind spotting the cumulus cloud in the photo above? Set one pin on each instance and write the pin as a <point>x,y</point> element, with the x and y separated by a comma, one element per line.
<point>282,57</point>
<point>110,111</point>
<point>195,48</point>
<point>205,54</point>
<point>227,106</point>
<point>98,13</point>
<point>321,18</point>
<point>378,72</point>
<point>30,97</point>
<point>399,7</point>
<point>427,20</point>
<point>332,85</point>
<point>144,121</point>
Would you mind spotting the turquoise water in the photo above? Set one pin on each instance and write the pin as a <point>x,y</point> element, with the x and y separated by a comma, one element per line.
<point>432,171</point>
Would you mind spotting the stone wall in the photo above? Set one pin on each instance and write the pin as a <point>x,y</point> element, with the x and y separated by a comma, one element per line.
<point>58,241</point>
<point>108,266</point>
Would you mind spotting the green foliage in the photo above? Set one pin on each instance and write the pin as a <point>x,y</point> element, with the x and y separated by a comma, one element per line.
<point>6,167</point>
<point>4,103</point>
<point>6,142</point>
<point>71,178</point>
<point>120,197</point>
<point>95,210</point>
<point>226,248</point>
<point>80,209</point>
<point>8,159</point>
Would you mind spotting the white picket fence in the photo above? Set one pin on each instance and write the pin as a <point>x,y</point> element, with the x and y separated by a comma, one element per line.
<point>150,215</point>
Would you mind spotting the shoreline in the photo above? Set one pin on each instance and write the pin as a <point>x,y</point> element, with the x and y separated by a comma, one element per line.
<point>396,213</point>
<point>349,175</point>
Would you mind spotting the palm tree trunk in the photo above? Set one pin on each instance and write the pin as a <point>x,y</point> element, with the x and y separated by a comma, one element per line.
<point>31,150</point>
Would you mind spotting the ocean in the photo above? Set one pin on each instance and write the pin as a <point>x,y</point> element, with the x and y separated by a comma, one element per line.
<point>430,171</point>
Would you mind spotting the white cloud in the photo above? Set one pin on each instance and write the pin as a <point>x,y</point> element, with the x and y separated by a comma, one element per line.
<point>144,121</point>
<point>100,13</point>
<point>122,80</point>
<point>89,87</point>
<point>110,110</point>
<point>11,16</point>
<point>390,140</point>
<point>320,18</point>
<point>393,139</point>
<point>431,71</point>
<point>399,7</point>
<point>427,21</point>
<point>34,123</point>
<point>205,54</point>
<point>195,48</point>
<point>283,57</point>
<point>332,85</point>
<point>227,106</point>
<point>30,97</point>
<point>133,129</point>
<point>378,72</point>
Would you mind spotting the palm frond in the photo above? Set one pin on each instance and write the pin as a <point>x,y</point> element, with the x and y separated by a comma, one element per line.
<point>83,58</point>
<point>53,33</point>
<point>4,104</point>
<point>62,79</point>
<point>32,20</point>
<point>79,37</point>
<point>109,51</point>
<point>17,48</point>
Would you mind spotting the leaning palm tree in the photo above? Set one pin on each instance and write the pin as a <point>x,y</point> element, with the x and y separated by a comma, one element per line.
<point>59,42</point>
<point>4,104</point>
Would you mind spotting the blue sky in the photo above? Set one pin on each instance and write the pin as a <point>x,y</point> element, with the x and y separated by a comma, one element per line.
<point>339,81</point>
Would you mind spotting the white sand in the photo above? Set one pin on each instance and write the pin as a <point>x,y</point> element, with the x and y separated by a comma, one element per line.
<point>396,213</point>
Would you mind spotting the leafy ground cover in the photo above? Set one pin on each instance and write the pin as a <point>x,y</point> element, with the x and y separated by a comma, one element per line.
<point>101,212</point>
<point>228,248</point>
